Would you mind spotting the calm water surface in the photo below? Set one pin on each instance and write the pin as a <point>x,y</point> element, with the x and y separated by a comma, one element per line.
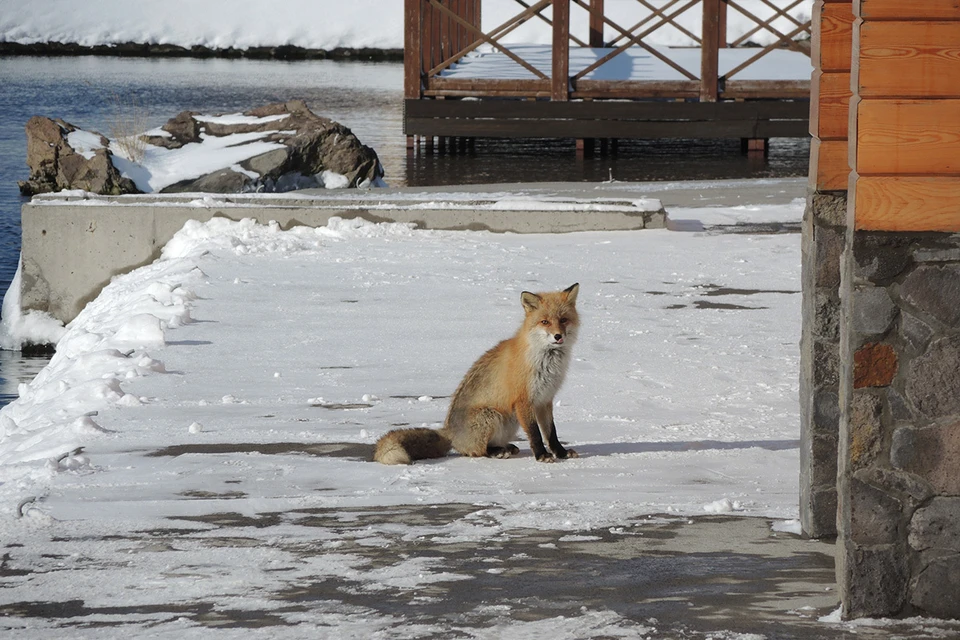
<point>90,92</point>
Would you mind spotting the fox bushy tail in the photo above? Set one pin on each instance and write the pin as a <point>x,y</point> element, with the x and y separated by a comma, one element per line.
<point>403,446</point>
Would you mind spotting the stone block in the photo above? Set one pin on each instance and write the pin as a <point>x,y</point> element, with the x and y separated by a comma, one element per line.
<point>829,209</point>
<point>936,589</point>
<point>915,332</point>
<point>866,430</point>
<point>874,580</point>
<point>818,516</point>
<point>880,257</point>
<point>874,515</point>
<point>908,488</point>
<point>933,379</point>
<point>873,311</point>
<point>828,245</point>
<point>903,448</point>
<point>826,362</point>
<point>874,365</point>
<point>826,316</point>
<point>900,410</point>
<point>937,526</point>
<point>935,290</point>
<point>931,453</point>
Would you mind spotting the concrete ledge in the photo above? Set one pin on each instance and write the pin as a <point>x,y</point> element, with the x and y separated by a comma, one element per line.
<point>74,243</point>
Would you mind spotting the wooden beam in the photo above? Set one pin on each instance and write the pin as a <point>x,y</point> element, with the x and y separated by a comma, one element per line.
<point>612,110</point>
<point>909,9</point>
<point>709,52</point>
<point>560,86</point>
<point>835,36</point>
<point>897,203</point>
<point>596,23</point>
<point>829,169</point>
<point>910,59</point>
<point>830,105</point>
<point>904,137</point>
<point>766,89</point>
<point>413,14</point>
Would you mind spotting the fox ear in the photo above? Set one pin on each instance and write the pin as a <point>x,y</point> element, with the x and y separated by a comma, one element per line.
<point>571,292</point>
<point>530,301</point>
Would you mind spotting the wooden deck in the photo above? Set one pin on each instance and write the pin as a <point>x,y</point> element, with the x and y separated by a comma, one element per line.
<point>462,82</point>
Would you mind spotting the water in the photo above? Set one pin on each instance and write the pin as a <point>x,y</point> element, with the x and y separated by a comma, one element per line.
<point>91,92</point>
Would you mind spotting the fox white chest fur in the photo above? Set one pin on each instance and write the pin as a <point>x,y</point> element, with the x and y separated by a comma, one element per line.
<point>549,369</point>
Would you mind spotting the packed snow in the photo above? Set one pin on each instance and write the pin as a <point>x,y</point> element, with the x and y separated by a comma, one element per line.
<point>202,390</point>
<point>324,24</point>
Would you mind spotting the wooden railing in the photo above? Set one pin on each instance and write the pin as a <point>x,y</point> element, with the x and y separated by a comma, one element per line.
<point>439,33</point>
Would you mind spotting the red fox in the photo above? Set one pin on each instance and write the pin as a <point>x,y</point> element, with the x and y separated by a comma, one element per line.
<point>512,385</point>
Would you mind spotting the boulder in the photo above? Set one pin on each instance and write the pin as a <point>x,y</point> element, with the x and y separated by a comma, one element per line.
<point>60,161</point>
<point>296,149</point>
<point>309,151</point>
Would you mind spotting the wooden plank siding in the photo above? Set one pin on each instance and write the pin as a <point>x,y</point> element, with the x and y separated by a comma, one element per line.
<point>910,59</point>
<point>903,10</point>
<point>830,93</point>
<point>906,119</point>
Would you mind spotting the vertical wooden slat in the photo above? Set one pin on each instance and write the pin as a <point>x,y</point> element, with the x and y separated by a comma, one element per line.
<point>561,51</point>
<point>436,37</point>
<point>426,35</point>
<point>412,56</point>
<point>723,24</point>
<point>596,23</point>
<point>710,51</point>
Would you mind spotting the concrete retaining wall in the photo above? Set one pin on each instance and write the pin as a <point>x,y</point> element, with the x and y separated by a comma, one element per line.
<point>73,246</point>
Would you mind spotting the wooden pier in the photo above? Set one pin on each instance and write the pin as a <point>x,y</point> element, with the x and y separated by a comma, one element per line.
<point>462,82</point>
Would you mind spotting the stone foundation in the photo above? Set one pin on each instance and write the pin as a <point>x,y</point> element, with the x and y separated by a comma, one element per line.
<point>899,464</point>
<point>823,240</point>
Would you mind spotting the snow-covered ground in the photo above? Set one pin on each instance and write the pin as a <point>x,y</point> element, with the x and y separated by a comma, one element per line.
<point>245,347</point>
<point>319,24</point>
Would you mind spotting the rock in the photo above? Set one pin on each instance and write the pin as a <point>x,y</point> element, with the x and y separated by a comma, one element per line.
<point>874,365</point>
<point>866,430</point>
<point>305,151</point>
<point>873,310</point>
<point>936,291</point>
<point>937,526</point>
<point>933,380</point>
<point>874,515</point>
<point>875,579</point>
<point>930,453</point>
<point>56,165</point>
<point>936,587</point>
<point>316,151</point>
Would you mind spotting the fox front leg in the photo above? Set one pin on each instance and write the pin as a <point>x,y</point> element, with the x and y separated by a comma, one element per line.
<point>528,421</point>
<point>545,418</point>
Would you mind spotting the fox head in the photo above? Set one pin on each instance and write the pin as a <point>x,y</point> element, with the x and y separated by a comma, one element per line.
<point>552,320</point>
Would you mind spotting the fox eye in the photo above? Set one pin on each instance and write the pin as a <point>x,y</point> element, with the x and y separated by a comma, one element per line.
<point>544,321</point>
<point>563,321</point>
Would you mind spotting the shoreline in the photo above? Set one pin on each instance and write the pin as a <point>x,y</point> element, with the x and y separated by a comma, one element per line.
<point>147,50</point>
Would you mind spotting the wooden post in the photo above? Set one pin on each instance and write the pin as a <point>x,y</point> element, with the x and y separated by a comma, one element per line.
<point>412,40</point>
<point>596,23</point>
<point>561,51</point>
<point>710,52</point>
<point>723,24</point>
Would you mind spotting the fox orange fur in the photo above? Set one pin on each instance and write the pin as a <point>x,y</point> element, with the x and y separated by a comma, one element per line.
<point>511,386</point>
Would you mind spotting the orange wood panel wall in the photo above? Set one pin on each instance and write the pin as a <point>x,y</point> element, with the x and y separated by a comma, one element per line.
<point>906,115</point>
<point>830,94</point>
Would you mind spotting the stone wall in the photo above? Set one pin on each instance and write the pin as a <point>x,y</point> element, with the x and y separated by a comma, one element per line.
<point>823,240</point>
<point>899,464</point>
